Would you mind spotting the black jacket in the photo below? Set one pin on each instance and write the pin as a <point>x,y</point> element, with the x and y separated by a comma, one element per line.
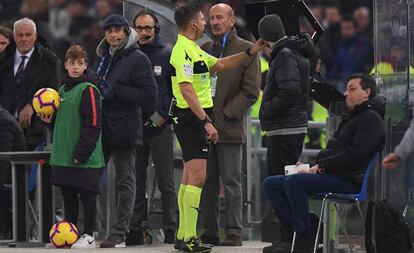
<point>42,70</point>
<point>133,85</point>
<point>359,136</point>
<point>285,96</point>
<point>159,55</point>
<point>11,139</point>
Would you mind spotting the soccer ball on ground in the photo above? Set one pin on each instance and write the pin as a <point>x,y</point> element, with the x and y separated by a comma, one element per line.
<point>63,234</point>
<point>46,101</point>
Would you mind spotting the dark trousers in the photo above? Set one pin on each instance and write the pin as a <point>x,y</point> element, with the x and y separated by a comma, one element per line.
<point>283,150</point>
<point>124,163</point>
<point>160,148</point>
<point>71,197</point>
<point>289,195</point>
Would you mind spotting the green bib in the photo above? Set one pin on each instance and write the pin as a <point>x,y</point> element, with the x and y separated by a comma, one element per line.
<point>67,130</point>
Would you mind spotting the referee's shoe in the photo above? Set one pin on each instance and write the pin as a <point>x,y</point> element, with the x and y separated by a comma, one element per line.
<point>196,245</point>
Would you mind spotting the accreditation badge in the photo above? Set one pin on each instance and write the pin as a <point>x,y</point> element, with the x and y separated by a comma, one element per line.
<point>213,84</point>
<point>157,70</point>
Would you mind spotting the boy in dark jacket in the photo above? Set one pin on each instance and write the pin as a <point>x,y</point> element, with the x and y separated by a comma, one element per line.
<point>339,169</point>
<point>77,154</point>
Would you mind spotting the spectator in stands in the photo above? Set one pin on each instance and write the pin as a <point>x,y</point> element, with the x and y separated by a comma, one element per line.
<point>37,10</point>
<point>59,19</point>
<point>362,16</point>
<point>339,169</point>
<point>116,6</point>
<point>81,21</point>
<point>233,92</point>
<point>158,136</point>
<point>6,36</point>
<point>353,54</point>
<point>27,67</point>
<point>11,139</point>
<point>285,97</point>
<point>103,9</point>
<point>331,38</point>
<point>395,61</point>
<point>127,84</point>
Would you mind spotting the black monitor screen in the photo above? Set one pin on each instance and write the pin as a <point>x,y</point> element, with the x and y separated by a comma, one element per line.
<point>288,10</point>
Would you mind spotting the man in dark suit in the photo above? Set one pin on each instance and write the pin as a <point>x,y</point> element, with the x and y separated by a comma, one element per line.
<point>25,67</point>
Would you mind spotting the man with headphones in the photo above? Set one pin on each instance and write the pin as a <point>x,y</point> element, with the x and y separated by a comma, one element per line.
<point>128,86</point>
<point>158,138</point>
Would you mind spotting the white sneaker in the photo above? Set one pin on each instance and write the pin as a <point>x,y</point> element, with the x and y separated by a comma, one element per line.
<point>50,245</point>
<point>84,242</point>
<point>120,245</point>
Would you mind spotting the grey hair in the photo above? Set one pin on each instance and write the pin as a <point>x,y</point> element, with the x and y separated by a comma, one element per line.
<point>24,21</point>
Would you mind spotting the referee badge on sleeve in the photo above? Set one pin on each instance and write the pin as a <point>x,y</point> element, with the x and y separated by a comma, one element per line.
<point>188,70</point>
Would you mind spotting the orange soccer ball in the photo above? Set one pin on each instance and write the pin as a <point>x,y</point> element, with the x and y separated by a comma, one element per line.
<point>63,234</point>
<point>46,101</point>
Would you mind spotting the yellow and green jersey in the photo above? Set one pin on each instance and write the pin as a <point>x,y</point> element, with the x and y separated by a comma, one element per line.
<point>191,65</point>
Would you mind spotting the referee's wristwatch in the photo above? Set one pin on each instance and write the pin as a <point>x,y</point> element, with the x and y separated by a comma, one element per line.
<point>206,120</point>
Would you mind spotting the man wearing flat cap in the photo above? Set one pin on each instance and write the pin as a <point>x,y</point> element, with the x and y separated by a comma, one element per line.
<point>127,83</point>
<point>283,109</point>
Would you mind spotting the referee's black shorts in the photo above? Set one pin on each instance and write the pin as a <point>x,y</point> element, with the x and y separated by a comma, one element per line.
<point>191,134</point>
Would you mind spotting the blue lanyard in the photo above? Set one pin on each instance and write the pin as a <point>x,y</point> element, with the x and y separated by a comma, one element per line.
<point>98,70</point>
<point>223,44</point>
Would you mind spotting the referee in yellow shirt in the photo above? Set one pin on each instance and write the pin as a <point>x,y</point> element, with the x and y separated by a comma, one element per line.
<point>192,84</point>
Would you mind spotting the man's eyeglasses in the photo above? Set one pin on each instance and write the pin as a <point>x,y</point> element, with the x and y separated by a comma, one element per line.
<point>142,28</point>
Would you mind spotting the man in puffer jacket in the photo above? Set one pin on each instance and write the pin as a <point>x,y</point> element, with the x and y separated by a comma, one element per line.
<point>127,84</point>
<point>283,109</point>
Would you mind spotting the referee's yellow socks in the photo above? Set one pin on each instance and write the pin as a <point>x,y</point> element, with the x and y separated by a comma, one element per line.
<point>181,224</point>
<point>191,201</point>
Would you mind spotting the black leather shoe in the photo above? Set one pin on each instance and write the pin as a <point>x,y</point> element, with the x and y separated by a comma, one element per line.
<point>304,242</point>
<point>134,238</point>
<point>278,247</point>
<point>232,240</point>
<point>213,240</point>
<point>179,244</point>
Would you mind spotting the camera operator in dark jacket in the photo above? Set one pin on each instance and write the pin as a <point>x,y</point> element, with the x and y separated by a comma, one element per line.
<point>158,136</point>
<point>284,104</point>
<point>127,83</point>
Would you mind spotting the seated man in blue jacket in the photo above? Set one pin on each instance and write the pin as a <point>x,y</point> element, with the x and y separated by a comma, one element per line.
<point>339,169</point>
